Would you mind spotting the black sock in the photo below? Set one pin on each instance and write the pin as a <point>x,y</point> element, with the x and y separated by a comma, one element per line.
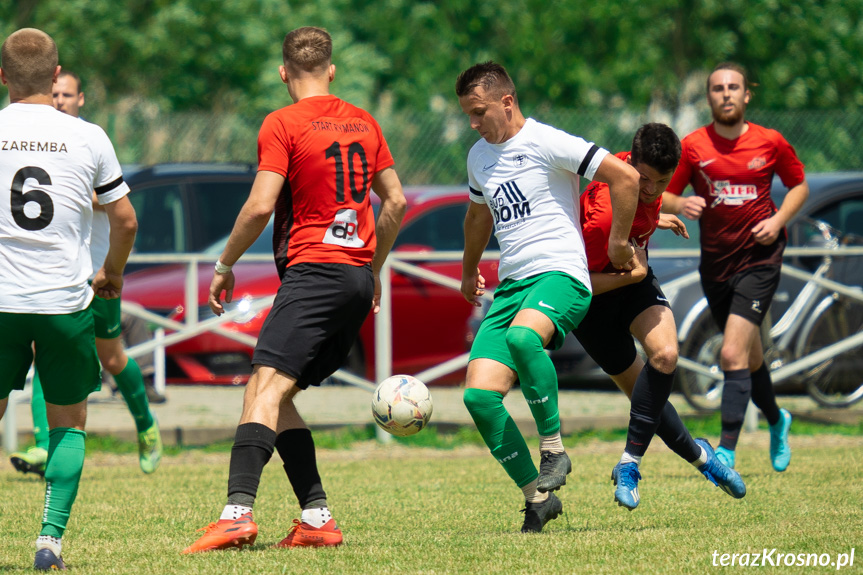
<point>649,396</point>
<point>735,397</point>
<point>675,435</point>
<point>297,449</point>
<point>253,447</point>
<point>762,394</point>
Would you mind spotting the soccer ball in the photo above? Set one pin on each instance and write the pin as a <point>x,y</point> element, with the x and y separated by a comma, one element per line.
<point>402,405</point>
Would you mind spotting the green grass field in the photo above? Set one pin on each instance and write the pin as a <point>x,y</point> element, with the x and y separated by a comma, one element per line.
<point>410,509</point>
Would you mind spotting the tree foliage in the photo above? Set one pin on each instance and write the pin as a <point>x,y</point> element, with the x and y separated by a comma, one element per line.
<point>223,55</point>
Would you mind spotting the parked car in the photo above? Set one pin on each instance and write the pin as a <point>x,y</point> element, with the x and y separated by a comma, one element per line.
<point>430,322</point>
<point>183,208</point>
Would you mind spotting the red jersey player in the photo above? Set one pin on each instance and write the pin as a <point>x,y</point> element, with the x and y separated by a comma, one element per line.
<point>627,304</point>
<point>317,162</point>
<point>730,164</point>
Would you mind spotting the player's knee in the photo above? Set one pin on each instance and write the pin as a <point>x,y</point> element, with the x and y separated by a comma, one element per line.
<point>521,339</point>
<point>664,359</point>
<point>114,363</point>
<point>479,401</point>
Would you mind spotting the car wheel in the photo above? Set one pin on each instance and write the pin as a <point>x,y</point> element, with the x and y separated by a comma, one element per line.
<point>702,345</point>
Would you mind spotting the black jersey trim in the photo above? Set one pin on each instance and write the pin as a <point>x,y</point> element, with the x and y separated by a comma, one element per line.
<point>588,157</point>
<point>109,186</point>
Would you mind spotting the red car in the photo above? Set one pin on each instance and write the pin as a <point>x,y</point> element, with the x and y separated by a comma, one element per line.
<point>430,322</point>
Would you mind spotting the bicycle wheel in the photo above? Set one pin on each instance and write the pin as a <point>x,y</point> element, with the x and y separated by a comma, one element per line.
<point>702,345</point>
<point>838,381</point>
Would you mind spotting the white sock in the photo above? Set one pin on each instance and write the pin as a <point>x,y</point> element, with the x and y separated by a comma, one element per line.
<point>629,458</point>
<point>234,511</point>
<point>702,459</point>
<point>48,542</point>
<point>316,516</point>
<point>531,495</point>
<point>551,443</point>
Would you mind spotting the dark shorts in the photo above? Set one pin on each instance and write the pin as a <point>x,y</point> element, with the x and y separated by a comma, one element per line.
<point>604,331</point>
<point>747,293</point>
<point>315,319</point>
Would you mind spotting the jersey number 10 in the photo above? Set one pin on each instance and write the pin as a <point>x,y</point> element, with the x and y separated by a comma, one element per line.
<point>355,149</point>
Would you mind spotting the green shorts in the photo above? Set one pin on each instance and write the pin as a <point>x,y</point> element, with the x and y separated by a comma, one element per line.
<point>65,354</point>
<point>561,297</point>
<point>106,313</point>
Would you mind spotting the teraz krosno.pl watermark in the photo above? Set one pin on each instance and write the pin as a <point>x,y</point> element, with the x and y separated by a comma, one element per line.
<point>776,558</point>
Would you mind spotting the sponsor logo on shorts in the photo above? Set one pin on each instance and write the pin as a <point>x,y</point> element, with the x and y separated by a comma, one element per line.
<point>662,299</point>
<point>543,304</point>
<point>756,305</point>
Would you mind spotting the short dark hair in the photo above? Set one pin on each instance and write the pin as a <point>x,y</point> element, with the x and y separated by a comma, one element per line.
<point>657,146</point>
<point>308,48</point>
<point>733,66</point>
<point>490,75</point>
<point>72,75</point>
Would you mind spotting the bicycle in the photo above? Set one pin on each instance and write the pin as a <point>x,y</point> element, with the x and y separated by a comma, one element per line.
<point>824,314</point>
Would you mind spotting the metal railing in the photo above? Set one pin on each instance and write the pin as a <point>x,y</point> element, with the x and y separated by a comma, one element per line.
<point>406,263</point>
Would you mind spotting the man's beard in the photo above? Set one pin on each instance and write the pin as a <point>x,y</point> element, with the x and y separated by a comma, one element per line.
<point>730,119</point>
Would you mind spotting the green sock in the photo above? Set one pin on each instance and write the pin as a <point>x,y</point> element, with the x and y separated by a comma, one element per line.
<point>40,415</point>
<point>131,385</point>
<point>500,434</point>
<point>537,376</point>
<point>62,474</point>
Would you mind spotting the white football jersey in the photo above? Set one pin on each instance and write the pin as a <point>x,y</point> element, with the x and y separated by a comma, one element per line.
<point>100,240</point>
<point>50,164</point>
<point>531,185</point>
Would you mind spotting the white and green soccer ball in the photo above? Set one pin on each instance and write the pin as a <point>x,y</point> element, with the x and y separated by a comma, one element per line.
<point>402,405</point>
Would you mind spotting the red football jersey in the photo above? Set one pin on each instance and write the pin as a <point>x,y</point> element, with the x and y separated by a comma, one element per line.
<point>328,151</point>
<point>596,223</point>
<point>734,178</point>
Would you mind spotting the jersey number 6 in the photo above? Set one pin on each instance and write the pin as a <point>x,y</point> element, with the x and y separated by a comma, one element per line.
<point>20,199</point>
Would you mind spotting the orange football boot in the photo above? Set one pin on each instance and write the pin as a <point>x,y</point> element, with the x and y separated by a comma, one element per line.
<point>304,535</point>
<point>226,533</point>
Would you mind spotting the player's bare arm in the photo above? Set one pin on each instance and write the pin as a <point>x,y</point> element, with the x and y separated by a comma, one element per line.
<point>250,223</point>
<point>108,281</point>
<point>767,231</point>
<point>602,282</point>
<point>672,223</point>
<point>387,186</point>
<point>478,226</point>
<point>690,207</point>
<point>622,180</point>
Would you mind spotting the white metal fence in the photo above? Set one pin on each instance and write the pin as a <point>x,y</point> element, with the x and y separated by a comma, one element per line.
<point>405,263</point>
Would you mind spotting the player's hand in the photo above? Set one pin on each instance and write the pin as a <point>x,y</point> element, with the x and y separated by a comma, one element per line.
<point>639,265</point>
<point>376,300</point>
<point>673,223</point>
<point>693,207</point>
<point>107,285</point>
<point>221,283</point>
<point>767,231</point>
<point>621,255</point>
<point>473,288</point>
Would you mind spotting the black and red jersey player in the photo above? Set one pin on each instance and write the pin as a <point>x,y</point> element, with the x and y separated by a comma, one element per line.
<point>631,303</point>
<point>730,165</point>
<point>318,160</point>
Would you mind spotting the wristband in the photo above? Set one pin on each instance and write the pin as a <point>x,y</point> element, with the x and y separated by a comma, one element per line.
<point>222,268</point>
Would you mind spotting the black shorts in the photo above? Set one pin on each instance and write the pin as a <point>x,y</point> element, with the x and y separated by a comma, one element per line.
<point>315,319</point>
<point>604,332</point>
<point>747,293</point>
